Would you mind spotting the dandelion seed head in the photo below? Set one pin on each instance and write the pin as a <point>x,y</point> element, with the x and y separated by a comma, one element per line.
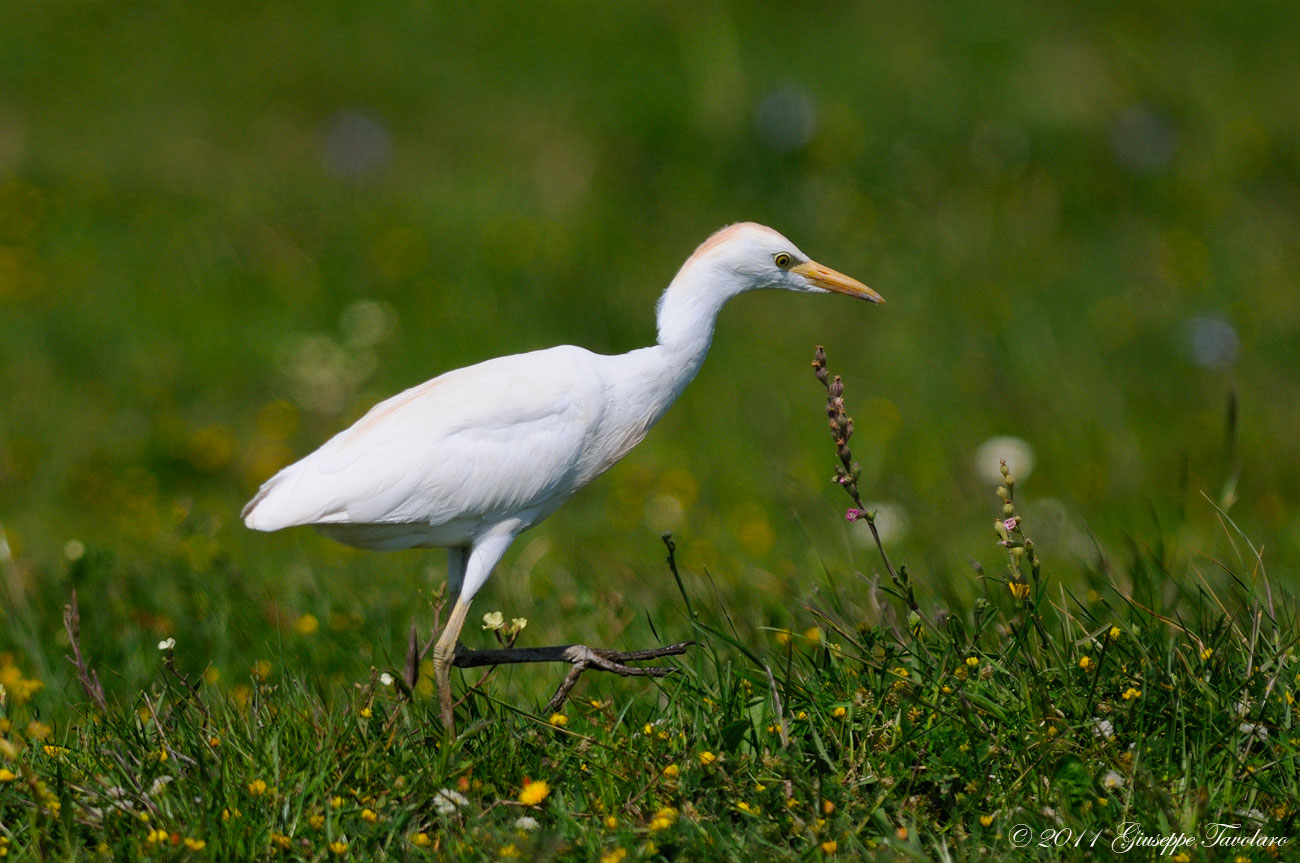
<point>1016,452</point>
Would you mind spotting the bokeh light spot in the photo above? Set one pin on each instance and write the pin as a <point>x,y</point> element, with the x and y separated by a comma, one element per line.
<point>786,119</point>
<point>356,145</point>
<point>1212,342</point>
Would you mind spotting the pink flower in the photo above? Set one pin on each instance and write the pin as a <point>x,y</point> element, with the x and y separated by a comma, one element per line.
<point>1010,524</point>
<point>853,514</point>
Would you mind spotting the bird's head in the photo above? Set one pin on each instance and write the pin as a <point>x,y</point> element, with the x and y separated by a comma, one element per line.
<point>753,256</point>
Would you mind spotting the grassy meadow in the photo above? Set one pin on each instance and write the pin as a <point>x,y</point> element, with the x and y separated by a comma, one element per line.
<point>227,230</point>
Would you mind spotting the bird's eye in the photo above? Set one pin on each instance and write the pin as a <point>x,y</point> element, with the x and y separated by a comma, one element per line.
<point>782,259</point>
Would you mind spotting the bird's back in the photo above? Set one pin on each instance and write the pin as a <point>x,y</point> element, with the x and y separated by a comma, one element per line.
<point>509,437</point>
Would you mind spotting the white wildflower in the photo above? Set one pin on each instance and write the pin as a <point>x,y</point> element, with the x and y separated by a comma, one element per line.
<point>1253,728</point>
<point>493,620</point>
<point>1112,780</point>
<point>1103,728</point>
<point>386,679</point>
<point>517,624</point>
<point>526,822</point>
<point>167,644</point>
<point>447,801</point>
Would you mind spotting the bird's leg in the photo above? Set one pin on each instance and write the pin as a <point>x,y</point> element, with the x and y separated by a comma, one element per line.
<point>444,652</point>
<point>579,656</point>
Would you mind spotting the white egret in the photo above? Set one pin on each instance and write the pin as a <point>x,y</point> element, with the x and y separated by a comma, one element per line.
<point>474,457</point>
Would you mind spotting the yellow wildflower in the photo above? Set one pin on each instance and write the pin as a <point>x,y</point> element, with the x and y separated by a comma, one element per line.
<point>1207,653</point>
<point>671,771</point>
<point>559,720</point>
<point>420,840</point>
<point>707,757</point>
<point>1131,693</point>
<point>509,852</point>
<point>615,856</point>
<point>745,807</point>
<point>663,819</point>
<point>1115,633</point>
<point>830,846</point>
<point>610,822</point>
<point>369,816</point>
<point>839,712</point>
<point>307,624</point>
<point>195,844</point>
<point>986,820</point>
<point>813,634</point>
<point>827,807</point>
<point>38,730</point>
<point>279,840</point>
<point>973,661</point>
<point>1086,663</point>
<point>7,775</point>
<point>336,802</point>
<point>257,788</point>
<point>782,637</point>
<point>534,792</point>
<point>338,846</point>
<point>316,821</point>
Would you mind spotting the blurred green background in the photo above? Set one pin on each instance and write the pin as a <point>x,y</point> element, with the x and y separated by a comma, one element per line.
<point>227,229</point>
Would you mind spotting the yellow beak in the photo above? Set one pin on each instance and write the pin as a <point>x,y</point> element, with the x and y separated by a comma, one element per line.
<point>825,277</point>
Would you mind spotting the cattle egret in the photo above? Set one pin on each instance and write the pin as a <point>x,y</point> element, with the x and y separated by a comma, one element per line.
<point>474,457</point>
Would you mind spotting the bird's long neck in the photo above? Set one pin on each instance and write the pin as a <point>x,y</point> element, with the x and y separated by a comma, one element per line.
<point>687,312</point>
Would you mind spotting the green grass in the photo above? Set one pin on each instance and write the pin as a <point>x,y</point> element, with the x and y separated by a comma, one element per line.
<point>1065,717</point>
<point>1033,719</point>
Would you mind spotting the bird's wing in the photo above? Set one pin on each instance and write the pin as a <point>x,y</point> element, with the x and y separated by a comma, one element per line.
<point>481,442</point>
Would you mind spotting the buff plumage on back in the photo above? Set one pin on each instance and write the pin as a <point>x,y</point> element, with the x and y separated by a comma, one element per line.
<point>467,446</point>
